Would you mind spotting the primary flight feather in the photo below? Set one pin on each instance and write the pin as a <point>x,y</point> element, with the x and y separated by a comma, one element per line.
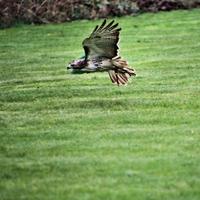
<point>101,54</point>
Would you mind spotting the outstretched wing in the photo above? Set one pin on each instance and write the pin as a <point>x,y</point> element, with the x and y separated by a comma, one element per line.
<point>102,41</point>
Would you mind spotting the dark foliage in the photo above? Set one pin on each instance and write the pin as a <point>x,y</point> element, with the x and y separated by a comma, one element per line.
<point>56,11</point>
<point>166,5</point>
<point>157,5</point>
<point>46,11</point>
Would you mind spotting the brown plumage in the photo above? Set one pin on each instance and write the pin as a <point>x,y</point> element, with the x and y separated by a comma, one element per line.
<point>101,54</point>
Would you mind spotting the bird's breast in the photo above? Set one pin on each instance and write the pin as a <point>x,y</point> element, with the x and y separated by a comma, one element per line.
<point>99,64</point>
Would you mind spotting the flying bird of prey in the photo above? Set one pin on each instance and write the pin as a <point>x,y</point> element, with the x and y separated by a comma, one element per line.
<point>101,54</point>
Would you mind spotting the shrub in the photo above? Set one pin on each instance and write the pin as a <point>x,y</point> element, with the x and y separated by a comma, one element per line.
<point>56,11</point>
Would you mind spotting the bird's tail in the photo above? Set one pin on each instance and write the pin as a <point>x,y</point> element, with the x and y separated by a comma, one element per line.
<point>121,72</point>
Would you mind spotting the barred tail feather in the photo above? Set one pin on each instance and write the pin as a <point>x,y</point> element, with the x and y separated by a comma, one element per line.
<point>122,71</point>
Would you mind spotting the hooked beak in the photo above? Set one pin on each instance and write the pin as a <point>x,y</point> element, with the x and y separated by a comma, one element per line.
<point>70,66</point>
<point>73,69</point>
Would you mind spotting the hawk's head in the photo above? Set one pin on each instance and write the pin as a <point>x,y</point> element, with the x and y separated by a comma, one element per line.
<point>76,66</point>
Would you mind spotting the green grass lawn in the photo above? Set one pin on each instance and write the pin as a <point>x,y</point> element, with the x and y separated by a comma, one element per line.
<point>79,137</point>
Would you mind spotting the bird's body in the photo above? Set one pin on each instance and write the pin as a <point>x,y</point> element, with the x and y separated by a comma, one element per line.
<point>99,64</point>
<point>101,55</point>
<point>92,65</point>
